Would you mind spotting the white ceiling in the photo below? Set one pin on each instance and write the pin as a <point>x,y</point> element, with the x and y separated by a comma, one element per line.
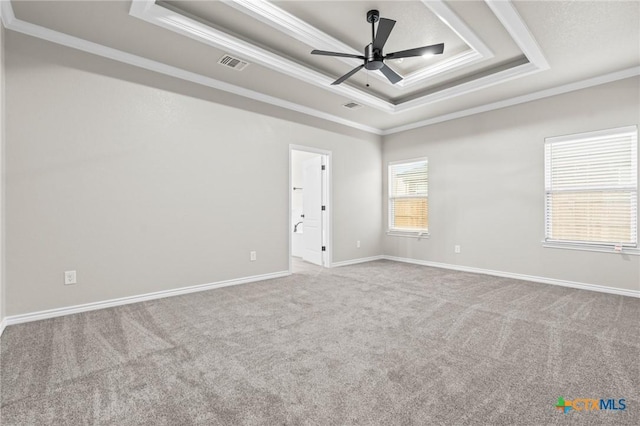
<point>496,52</point>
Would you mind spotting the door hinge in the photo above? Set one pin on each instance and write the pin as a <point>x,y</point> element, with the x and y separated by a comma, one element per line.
<point>324,248</point>
<point>322,167</point>
<point>324,208</point>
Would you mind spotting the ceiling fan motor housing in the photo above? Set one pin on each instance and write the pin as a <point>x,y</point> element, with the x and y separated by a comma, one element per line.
<point>372,58</point>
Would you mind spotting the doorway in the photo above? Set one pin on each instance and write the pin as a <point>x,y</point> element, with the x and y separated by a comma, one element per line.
<point>309,206</point>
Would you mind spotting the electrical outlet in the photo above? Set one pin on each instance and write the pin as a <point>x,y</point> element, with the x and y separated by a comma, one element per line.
<point>456,249</point>
<point>358,244</point>
<point>252,256</point>
<point>69,277</point>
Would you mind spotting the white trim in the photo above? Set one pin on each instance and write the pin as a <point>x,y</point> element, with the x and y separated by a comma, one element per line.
<point>356,261</point>
<point>186,26</point>
<point>408,234</point>
<point>532,278</point>
<point>27,28</point>
<point>52,313</point>
<point>3,325</point>
<point>11,23</point>
<point>328,197</point>
<point>458,26</point>
<point>408,160</point>
<point>292,26</point>
<point>468,57</point>
<point>415,233</point>
<point>554,91</point>
<point>469,87</point>
<point>302,31</point>
<point>196,30</point>
<point>507,14</point>
<point>591,247</point>
<point>595,134</point>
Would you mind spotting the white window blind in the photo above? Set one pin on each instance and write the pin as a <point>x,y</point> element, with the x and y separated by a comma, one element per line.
<point>591,188</point>
<point>408,196</point>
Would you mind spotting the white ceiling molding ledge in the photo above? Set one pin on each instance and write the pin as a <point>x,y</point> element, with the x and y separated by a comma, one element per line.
<point>515,26</point>
<point>149,11</point>
<point>12,23</point>
<point>292,26</point>
<point>519,32</point>
<point>477,53</point>
<point>195,30</point>
<point>503,10</point>
<point>558,90</point>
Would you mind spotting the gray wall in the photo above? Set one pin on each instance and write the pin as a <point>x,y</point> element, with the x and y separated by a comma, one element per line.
<point>142,184</point>
<point>486,186</point>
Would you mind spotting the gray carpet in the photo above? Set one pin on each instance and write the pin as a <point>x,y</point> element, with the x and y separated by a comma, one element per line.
<point>377,343</point>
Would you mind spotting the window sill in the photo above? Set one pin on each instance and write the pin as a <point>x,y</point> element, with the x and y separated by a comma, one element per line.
<point>408,234</point>
<point>587,247</point>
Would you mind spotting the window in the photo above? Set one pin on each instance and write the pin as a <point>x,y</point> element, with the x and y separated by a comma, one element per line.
<point>408,196</point>
<point>591,188</point>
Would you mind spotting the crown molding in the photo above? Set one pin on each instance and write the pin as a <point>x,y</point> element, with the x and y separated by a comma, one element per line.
<point>14,24</point>
<point>507,14</point>
<point>149,11</point>
<point>471,86</point>
<point>206,34</point>
<point>300,30</point>
<point>10,22</point>
<point>558,90</point>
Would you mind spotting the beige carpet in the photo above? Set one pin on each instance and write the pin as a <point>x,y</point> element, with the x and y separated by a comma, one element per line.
<point>378,343</point>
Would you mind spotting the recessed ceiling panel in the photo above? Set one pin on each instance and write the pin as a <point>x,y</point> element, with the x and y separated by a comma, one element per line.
<point>494,49</point>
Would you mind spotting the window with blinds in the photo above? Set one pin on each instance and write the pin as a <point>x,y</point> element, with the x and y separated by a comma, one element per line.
<point>408,196</point>
<point>591,188</point>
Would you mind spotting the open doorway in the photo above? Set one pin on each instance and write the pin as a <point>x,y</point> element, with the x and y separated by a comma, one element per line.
<point>309,209</point>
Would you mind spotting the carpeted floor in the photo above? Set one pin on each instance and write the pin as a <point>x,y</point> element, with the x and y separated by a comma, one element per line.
<point>377,343</point>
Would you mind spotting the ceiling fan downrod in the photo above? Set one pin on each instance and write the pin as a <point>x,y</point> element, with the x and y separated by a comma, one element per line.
<point>373,57</point>
<point>372,17</point>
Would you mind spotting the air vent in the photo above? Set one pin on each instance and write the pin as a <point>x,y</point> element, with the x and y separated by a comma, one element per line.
<point>231,62</point>
<point>352,105</point>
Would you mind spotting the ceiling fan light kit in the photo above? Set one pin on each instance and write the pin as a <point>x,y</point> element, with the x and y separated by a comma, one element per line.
<point>373,58</point>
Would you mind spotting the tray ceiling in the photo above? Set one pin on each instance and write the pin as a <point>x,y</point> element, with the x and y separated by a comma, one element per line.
<point>496,52</point>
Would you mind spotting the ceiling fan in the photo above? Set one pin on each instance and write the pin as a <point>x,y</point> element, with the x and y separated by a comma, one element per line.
<point>373,57</point>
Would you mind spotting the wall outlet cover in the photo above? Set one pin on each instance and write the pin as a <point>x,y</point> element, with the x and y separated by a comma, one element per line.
<point>69,277</point>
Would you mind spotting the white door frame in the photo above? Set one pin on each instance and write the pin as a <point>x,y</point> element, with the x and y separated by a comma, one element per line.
<point>327,229</point>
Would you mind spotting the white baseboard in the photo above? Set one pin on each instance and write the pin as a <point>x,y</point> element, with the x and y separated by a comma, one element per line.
<point>355,261</point>
<point>544,280</point>
<point>52,313</point>
<point>3,324</point>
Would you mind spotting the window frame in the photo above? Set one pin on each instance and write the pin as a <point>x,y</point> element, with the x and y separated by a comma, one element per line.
<point>597,246</point>
<point>417,233</point>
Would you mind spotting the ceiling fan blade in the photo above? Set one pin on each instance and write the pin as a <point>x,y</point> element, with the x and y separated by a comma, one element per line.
<point>384,29</point>
<point>390,74</point>
<point>343,55</point>
<point>434,49</point>
<point>347,75</point>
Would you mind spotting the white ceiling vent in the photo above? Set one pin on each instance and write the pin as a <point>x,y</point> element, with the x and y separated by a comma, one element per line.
<point>352,105</point>
<point>231,62</point>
